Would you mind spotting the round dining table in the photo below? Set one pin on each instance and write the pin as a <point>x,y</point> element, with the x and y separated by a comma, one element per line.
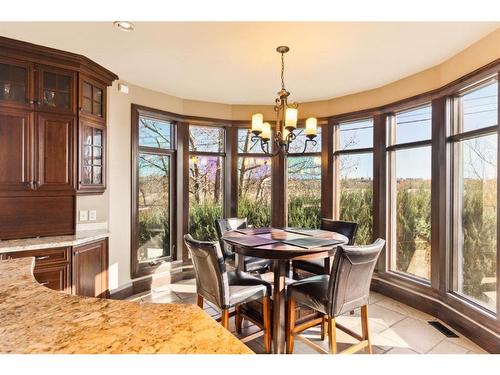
<point>282,245</point>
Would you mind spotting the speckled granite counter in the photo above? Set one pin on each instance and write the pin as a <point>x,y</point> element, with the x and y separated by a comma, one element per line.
<point>34,319</point>
<point>54,241</point>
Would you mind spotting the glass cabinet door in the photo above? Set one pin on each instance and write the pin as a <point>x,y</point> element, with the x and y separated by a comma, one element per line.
<point>14,83</point>
<point>56,91</point>
<point>92,99</point>
<point>91,156</point>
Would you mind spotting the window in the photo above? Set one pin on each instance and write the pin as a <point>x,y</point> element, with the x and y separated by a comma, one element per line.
<point>254,181</point>
<point>474,230</point>
<point>152,191</point>
<point>410,191</point>
<point>304,183</point>
<point>206,176</point>
<point>353,158</point>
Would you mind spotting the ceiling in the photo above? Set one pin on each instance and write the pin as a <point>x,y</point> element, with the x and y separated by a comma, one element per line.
<point>236,63</point>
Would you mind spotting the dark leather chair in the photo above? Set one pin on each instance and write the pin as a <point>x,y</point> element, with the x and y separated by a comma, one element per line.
<point>227,289</point>
<point>317,266</point>
<point>345,289</point>
<point>252,264</point>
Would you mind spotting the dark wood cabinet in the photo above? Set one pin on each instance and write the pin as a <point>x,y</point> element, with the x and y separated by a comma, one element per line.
<point>46,95</point>
<point>15,150</point>
<point>54,150</point>
<point>91,168</point>
<point>52,266</point>
<point>54,277</point>
<point>81,270</point>
<point>90,269</point>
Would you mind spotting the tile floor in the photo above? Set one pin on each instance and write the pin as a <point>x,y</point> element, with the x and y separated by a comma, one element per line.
<point>396,328</point>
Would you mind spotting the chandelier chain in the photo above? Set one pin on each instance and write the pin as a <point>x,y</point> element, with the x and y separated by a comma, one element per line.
<point>282,71</point>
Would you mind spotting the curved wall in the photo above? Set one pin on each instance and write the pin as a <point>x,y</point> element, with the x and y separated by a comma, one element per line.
<point>114,205</point>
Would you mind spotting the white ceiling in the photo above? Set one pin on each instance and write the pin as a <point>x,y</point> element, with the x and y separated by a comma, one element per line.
<point>236,63</point>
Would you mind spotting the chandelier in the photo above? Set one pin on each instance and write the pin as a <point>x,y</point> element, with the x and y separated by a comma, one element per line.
<point>286,122</point>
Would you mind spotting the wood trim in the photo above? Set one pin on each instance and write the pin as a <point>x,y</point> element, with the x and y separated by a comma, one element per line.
<point>440,175</point>
<point>380,184</point>
<point>327,172</point>
<point>231,173</point>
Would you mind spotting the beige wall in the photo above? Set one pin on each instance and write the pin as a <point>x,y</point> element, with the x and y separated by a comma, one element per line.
<point>114,205</point>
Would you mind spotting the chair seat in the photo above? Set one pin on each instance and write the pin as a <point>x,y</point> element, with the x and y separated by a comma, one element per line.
<point>256,264</point>
<point>311,292</point>
<point>244,287</point>
<point>316,266</point>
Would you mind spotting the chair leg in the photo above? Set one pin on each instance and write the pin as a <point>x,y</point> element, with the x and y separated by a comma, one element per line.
<point>200,301</point>
<point>324,328</point>
<point>238,320</point>
<point>291,325</point>
<point>364,327</point>
<point>332,335</point>
<point>266,314</point>
<point>224,320</point>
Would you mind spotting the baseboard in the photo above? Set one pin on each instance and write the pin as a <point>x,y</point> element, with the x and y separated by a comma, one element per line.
<point>471,329</point>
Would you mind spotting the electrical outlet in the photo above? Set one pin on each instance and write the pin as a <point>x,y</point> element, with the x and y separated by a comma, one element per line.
<point>84,215</point>
<point>92,215</point>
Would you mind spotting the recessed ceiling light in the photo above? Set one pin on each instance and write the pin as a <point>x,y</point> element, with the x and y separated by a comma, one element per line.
<point>124,25</point>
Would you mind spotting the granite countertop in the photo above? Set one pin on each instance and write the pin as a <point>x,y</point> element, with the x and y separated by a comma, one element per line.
<point>37,243</point>
<point>35,319</point>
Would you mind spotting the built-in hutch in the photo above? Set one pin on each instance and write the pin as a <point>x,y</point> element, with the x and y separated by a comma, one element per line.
<point>52,148</point>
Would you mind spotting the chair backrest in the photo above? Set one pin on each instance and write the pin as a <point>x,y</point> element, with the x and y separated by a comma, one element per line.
<point>210,271</point>
<point>225,225</point>
<point>347,228</point>
<point>351,276</point>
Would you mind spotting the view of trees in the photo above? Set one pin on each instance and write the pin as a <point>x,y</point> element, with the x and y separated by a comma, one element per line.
<point>153,189</point>
<point>304,191</point>
<point>477,255</point>
<point>205,181</point>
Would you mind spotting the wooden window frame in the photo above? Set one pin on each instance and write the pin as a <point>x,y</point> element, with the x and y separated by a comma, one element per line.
<point>456,135</point>
<point>143,269</point>
<point>336,153</point>
<point>391,231</point>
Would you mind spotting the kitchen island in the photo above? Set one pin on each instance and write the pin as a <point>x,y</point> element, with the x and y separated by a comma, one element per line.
<point>35,319</point>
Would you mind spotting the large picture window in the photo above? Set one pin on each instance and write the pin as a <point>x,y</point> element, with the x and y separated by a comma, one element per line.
<point>152,189</point>
<point>254,181</point>
<point>353,159</point>
<point>206,176</point>
<point>304,183</point>
<point>474,143</point>
<point>409,154</point>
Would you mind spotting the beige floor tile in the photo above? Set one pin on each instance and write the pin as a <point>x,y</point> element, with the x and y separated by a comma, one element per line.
<point>376,297</point>
<point>403,309</point>
<point>400,351</point>
<point>467,344</point>
<point>419,335</point>
<point>161,297</point>
<point>447,347</point>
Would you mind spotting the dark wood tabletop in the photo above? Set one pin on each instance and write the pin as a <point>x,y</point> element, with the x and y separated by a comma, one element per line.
<point>282,245</point>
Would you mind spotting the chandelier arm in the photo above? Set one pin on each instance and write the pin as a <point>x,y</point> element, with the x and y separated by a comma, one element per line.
<point>313,141</point>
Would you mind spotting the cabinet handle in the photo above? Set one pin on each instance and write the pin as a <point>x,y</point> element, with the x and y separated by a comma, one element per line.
<point>42,257</point>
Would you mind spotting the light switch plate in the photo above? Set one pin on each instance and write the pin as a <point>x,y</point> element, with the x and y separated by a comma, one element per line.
<point>84,215</point>
<point>92,215</point>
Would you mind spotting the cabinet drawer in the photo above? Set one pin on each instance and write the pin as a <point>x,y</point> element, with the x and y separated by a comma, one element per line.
<point>54,277</point>
<point>43,257</point>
